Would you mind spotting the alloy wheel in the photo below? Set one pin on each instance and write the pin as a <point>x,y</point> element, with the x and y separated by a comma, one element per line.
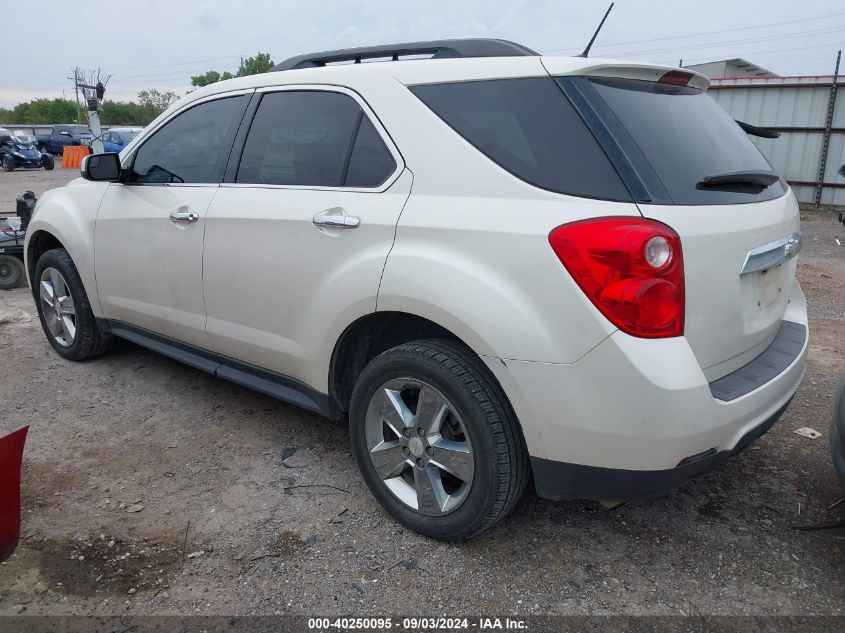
<point>419,446</point>
<point>58,307</point>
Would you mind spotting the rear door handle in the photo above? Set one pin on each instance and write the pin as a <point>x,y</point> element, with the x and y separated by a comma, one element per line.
<point>184,216</point>
<point>336,218</point>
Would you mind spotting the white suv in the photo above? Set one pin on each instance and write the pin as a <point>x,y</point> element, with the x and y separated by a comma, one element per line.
<point>495,264</point>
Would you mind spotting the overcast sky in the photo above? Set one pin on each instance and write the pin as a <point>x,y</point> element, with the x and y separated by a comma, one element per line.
<point>161,43</point>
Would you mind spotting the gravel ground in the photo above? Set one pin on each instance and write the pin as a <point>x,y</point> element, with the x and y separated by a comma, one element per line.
<point>151,488</point>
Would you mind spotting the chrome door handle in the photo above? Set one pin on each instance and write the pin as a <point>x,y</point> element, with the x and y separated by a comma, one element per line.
<point>184,216</point>
<point>336,218</point>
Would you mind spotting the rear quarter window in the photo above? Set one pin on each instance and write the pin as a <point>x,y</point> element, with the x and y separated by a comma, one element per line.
<point>528,127</point>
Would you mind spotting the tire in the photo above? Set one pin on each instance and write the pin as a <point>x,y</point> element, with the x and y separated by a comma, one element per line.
<point>8,164</point>
<point>479,419</point>
<point>48,163</point>
<point>12,273</point>
<point>86,340</point>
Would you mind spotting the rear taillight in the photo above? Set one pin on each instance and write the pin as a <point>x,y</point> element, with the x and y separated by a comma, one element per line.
<point>630,268</point>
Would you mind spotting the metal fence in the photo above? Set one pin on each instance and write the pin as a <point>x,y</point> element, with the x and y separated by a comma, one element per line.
<point>810,152</point>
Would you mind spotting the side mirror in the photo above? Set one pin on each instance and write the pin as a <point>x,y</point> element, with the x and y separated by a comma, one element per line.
<point>101,167</point>
<point>120,141</point>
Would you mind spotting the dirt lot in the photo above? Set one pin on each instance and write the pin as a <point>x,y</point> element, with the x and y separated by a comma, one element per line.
<point>150,487</point>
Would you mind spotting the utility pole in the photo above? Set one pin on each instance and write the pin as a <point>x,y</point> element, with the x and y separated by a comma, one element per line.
<point>93,89</point>
<point>76,89</point>
<point>828,124</point>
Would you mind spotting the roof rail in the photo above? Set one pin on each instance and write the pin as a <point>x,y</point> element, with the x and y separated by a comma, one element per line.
<point>438,49</point>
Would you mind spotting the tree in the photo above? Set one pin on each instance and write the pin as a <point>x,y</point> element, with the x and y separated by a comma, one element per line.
<point>41,111</point>
<point>131,113</point>
<point>212,76</point>
<point>260,63</point>
<point>159,101</point>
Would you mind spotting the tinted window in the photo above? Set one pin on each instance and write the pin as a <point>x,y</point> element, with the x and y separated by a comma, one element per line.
<point>528,127</point>
<point>371,162</point>
<point>193,147</point>
<point>685,136</point>
<point>300,138</point>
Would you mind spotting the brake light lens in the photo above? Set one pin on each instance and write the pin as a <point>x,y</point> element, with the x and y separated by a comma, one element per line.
<point>631,269</point>
<point>675,78</point>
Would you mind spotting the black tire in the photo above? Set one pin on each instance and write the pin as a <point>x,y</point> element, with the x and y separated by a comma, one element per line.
<point>12,273</point>
<point>8,164</point>
<point>89,341</point>
<point>498,448</point>
<point>48,163</point>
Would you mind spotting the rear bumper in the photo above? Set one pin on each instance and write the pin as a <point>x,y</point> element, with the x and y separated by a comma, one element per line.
<point>559,481</point>
<point>636,417</point>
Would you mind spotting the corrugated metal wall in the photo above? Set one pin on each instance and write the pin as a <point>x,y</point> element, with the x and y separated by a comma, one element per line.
<point>797,108</point>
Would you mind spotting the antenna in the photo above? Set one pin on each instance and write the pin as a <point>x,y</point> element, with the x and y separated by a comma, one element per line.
<point>593,39</point>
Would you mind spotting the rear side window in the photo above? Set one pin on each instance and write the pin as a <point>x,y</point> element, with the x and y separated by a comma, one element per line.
<point>313,138</point>
<point>193,147</point>
<point>685,136</point>
<point>529,128</point>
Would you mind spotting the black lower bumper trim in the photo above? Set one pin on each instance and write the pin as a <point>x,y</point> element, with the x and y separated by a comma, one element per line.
<point>560,481</point>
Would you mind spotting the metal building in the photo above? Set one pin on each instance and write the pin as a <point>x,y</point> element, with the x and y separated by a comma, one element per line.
<point>805,111</point>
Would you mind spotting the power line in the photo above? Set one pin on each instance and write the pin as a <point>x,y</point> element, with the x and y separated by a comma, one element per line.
<point>687,35</point>
<point>822,31</point>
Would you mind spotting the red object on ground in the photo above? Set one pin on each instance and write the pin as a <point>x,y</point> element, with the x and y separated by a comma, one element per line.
<point>11,455</point>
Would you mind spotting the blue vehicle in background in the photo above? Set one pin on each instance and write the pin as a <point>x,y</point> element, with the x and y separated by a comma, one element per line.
<point>117,138</point>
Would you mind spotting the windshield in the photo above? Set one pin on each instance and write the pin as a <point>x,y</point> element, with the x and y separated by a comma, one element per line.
<point>128,135</point>
<point>685,137</point>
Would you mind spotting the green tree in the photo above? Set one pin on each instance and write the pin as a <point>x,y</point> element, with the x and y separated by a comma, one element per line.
<point>126,113</point>
<point>212,76</point>
<point>260,63</point>
<point>157,100</point>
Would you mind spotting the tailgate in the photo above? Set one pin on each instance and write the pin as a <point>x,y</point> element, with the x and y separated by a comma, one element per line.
<point>735,297</point>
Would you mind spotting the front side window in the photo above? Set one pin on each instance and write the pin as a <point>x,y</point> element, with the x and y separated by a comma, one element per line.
<point>313,138</point>
<point>192,147</point>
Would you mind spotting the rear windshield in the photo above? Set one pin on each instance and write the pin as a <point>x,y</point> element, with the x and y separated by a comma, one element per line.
<point>78,129</point>
<point>529,128</point>
<point>685,136</point>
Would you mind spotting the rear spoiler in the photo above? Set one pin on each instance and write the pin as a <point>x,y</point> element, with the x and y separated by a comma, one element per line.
<point>626,70</point>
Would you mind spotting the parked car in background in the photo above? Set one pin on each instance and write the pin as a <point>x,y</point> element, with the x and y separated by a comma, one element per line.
<point>62,135</point>
<point>17,152</point>
<point>118,137</point>
<point>493,264</point>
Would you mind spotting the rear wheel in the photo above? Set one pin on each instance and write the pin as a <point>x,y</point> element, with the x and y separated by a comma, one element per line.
<point>436,440</point>
<point>48,163</point>
<point>64,310</point>
<point>11,272</point>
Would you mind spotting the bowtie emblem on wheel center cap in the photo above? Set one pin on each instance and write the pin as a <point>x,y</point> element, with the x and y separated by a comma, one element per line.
<point>416,447</point>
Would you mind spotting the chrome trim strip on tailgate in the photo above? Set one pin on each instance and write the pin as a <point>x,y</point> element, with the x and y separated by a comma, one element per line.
<point>779,355</point>
<point>772,254</point>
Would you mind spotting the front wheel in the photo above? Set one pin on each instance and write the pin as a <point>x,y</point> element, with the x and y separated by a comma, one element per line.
<point>8,164</point>
<point>436,440</point>
<point>64,310</point>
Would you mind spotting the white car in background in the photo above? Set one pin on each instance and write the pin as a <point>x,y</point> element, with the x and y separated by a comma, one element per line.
<point>494,264</point>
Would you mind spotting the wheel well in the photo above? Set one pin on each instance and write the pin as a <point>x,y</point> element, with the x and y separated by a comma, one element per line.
<point>39,243</point>
<point>368,337</point>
